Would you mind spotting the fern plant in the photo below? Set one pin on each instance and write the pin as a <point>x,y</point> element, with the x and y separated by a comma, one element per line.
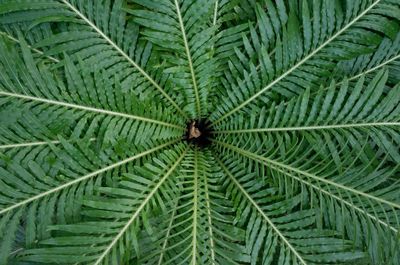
<point>200,132</point>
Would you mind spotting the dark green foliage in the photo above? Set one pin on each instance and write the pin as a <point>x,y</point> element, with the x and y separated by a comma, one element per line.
<point>298,103</point>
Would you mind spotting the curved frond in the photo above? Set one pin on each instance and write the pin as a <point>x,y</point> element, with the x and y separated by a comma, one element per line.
<point>137,191</point>
<point>182,28</point>
<point>333,116</point>
<point>197,231</point>
<point>356,190</point>
<point>49,191</point>
<point>288,233</point>
<point>16,82</point>
<point>107,35</point>
<point>302,50</point>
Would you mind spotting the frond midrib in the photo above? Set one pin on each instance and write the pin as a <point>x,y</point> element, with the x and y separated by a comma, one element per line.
<point>189,57</point>
<point>209,219</point>
<point>215,16</point>
<point>195,206</point>
<point>169,229</point>
<point>394,58</point>
<point>309,128</point>
<point>30,47</point>
<point>90,109</point>
<point>31,144</point>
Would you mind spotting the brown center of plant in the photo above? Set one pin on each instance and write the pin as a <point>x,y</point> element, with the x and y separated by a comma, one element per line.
<point>198,133</point>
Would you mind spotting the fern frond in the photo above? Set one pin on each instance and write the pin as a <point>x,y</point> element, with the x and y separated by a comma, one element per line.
<point>268,224</point>
<point>62,192</point>
<point>22,87</point>
<point>333,116</point>
<point>355,190</point>
<point>297,53</point>
<point>126,209</point>
<point>88,29</point>
<point>182,27</point>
